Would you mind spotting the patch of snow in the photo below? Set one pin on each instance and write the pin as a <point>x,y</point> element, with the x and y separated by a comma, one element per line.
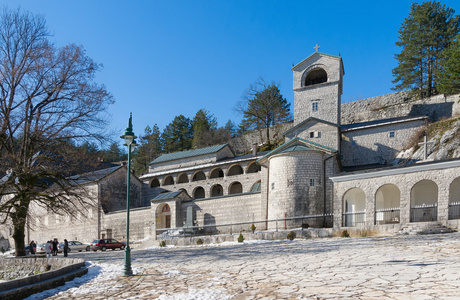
<point>95,281</point>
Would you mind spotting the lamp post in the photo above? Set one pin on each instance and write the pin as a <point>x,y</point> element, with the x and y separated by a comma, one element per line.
<point>129,138</point>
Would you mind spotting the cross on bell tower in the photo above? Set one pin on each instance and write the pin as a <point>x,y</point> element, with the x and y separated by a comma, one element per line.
<point>316,47</point>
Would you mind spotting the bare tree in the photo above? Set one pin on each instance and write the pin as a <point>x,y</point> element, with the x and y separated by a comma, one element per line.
<point>48,103</point>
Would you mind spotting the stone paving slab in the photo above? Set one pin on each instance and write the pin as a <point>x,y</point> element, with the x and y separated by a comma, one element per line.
<point>399,267</point>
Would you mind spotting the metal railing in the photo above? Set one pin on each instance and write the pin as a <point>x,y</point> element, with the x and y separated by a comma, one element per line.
<point>308,221</point>
<point>454,210</point>
<point>424,213</point>
<point>353,218</point>
<point>387,216</point>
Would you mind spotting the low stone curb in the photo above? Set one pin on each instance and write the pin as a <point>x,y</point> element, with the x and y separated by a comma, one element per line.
<point>24,287</point>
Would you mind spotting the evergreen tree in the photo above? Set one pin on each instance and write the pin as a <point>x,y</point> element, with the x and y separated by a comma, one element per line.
<point>449,77</point>
<point>149,148</point>
<point>424,35</point>
<point>263,106</point>
<point>115,153</point>
<point>204,125</point>
<point>231,128</point>
<point>178,135</point>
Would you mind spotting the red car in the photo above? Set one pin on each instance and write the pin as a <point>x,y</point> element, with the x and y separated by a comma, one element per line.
<point>104,244</point>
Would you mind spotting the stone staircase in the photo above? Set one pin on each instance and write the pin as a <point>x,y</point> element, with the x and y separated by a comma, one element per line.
<point>424,228</point>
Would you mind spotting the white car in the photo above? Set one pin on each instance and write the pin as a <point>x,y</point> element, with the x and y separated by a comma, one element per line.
<point>77,246</point>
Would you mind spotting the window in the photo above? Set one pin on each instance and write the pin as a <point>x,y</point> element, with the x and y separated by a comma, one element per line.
<point>392,134</point>
<point>315,134</point>
<point>273,185</point>
<point>314,106</point>
<point>312,182</point>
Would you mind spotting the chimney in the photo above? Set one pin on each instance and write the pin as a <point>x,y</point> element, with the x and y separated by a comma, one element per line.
<point>254,149</point>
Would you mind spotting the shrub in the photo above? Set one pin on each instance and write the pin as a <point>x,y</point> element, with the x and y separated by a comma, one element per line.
<point>253,228</point>
<point>291,235</point>
<point>240,238</point>
<point>162,244</point>
<point>345,233</point>
<point>199,242</point>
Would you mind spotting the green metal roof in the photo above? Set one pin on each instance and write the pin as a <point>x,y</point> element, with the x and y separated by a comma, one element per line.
<point>188,153</point>
<point>293,145</point>
<point>296,148</point>
<point>169,195</point>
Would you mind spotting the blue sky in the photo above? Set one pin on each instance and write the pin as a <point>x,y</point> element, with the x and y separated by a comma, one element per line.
<point>166,58</point>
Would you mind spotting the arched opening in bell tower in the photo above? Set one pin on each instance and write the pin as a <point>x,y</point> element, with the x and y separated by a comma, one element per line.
<point>315,76</point>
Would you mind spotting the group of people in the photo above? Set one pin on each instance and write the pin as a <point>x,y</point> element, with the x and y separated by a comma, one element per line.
<point>51,247</point>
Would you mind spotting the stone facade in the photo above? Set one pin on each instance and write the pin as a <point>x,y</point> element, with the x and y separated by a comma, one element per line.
<point>441,179</point>
<point>320,100</point>
<point>300,183</point>
<point>378,144</point>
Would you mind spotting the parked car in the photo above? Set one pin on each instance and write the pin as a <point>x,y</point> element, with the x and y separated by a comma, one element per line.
<point>77,246</point>
<point>104,244</point>
<point>40,249</point>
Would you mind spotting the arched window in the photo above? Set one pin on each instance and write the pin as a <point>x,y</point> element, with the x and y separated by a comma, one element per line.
<point>198,176</point>
<point>183,178</point>
<point>255,187</point>
<point>253,168</point>
<point>166,208</point>
<point>154,183</point>
<point>316,76</point>
<point>216,173</point>
<point>168,180</point>
<point>235,188</point>
<point>199,193</point>
<point>235,170</point>
<point>217,190</point>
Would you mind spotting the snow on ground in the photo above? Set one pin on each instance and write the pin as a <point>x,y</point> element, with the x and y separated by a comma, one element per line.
<point>91,283</point>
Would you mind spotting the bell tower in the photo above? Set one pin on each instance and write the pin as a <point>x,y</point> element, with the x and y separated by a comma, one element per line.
<point>317,84</point>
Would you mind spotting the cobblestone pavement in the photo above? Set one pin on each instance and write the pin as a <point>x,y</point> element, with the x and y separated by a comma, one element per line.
<point>399,267</point>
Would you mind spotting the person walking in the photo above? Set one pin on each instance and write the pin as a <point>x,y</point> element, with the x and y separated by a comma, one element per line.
<point>55,246</point>
<point>48,248</point>
<point>66,247</point>
<point>32,246</point>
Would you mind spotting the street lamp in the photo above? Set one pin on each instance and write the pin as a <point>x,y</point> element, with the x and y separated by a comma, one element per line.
<point>129,138</point>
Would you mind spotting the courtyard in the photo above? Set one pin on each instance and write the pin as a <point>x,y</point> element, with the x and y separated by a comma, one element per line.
<point>394,267</point>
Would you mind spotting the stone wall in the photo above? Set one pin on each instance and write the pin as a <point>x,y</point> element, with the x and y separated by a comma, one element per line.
<point>112,191</point>
<point>444,175</point>
<point>324,134</point>
<point>140,224</point>
<point>327,94</point>
<point>296,185</point>
<point>81,225</point>
<point>14,268</point>
<point>374,145</point>
<point>226,210</point>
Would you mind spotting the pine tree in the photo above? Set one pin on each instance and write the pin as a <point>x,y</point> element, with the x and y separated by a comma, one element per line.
<point>424,35</point>
<point>149,148</point>
<point>449,77</point>
<point>204,125</point>
<point>178,135</point>
<point>115,153</point>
